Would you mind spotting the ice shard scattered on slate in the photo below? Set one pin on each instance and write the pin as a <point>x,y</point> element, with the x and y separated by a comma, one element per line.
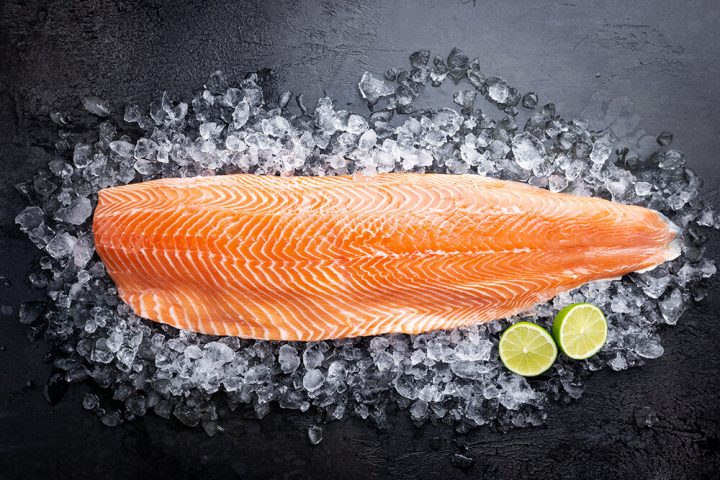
<point>96,106</point>
<point>373,88</point>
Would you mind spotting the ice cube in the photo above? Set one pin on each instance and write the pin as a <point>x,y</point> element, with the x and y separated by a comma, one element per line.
<point>557,183</point>
<point>672,307</point>
<point>76,213</point>
<point>146,167</point>
<point>420,58</point>
<point>114,341</point>
<point>101,353</point>
<point>498,91</point>
<point>123,148</point>
<point>218,353</point>
<point>132,113</point>
<point>241,114</point>
<point>315,434</point>
<point>529,152</point>
<point>356,124</point>
<point>96,106</point>
<point>145,148</point>
<point>61,246</point>
<point>372,88</point>
<point>30,218</point>
<point>457,63</point>
<point>30,313</point>
<point>367,140</point>
<point>664,138</point>
<point>313,379</point>
<point>530,100</point>
<point>419,410</point>
<point>643,189</point>
<point>671,160</point>
<point>312,357</point>
<point>465,98</point>
<point>706,219</point>
<point>649,347</point>
<point>288,358</point>
<point>82,155</point>
<point>276,126</point>
<point>325,118</point>
<point>602,149</point>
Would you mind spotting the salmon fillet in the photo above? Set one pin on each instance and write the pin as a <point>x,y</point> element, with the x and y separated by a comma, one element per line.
<point>310,258</point>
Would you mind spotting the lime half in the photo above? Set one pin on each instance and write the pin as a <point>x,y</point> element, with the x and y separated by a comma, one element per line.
<point>527,349</point>
<point>580,330</point>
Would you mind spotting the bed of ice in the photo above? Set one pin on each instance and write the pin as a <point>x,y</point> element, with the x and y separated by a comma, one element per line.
<point>454,377</point>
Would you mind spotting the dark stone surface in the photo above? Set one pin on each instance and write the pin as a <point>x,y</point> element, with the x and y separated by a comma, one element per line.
<point>664,56</point>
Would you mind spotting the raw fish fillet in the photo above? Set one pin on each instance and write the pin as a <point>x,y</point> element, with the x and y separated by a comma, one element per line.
<point>310,258</point>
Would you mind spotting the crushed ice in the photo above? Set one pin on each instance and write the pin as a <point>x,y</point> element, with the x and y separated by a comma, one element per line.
<point>453,377</point>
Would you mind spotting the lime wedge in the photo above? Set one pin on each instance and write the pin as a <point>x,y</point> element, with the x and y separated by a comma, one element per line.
<point>527,349</point>
<point>580,330</point>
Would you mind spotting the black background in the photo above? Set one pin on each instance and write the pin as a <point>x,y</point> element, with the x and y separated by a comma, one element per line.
<point>662,56</point>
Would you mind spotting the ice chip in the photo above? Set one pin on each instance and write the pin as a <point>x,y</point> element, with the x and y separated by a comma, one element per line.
<point>313,379</point>
<point>145,148</point>
<point>465,98</point>
<point>706,219</point>
<point>146,167</point>
<point>356,124</point>
<point>372,88</point>
<point>643,189</point>
<point>419,410</point>
<point>649,347</point>
<point>672,307</point>
<point>90,401</point>
<point>420,58</point>
<point>123,148</point>
<point>530,100</point>
<point>217,83</point>
<point>325,118</point>
<point>557,183</point>
<point>602,149</point>
<point>31,313</point>
<point>276,126</point>
<point>132,113</point>
<point>96,106</point>
<point>241,114</point>
<point>61,246</point>
<point>367,140</point>
<point>528,151</point>
<point>114,341</point>
<point>664,138</point>
<point>312,357</point>
<point>498,91</point>
<point>101,353</point>
<point>288,358</point>
<point>76,213</point>
<point>315,434</point>
<point>30,218</point>
<point>82,155</point>
<point>83,250</point>
<point>671,160</point>
<point>457,64</point>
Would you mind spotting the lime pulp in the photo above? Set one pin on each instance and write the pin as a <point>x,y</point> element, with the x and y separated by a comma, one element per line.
<point>580,330</point>
<point>527,349</point>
